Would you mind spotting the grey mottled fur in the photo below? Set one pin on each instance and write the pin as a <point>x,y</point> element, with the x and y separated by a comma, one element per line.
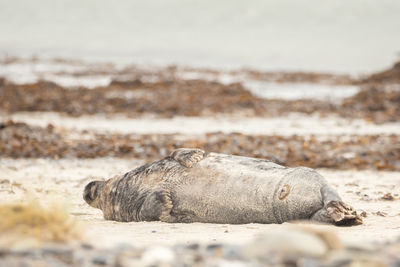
<point>192,186</point>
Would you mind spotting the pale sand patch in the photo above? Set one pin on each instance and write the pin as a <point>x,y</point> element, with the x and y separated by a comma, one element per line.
<point>64,179</point>
<point>293,124</point>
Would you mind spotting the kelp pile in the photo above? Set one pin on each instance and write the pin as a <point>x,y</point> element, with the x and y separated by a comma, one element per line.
<point>380,152</point>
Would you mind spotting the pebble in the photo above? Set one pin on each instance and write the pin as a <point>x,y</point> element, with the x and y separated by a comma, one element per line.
<point>289,246</point>
<point>100,259</point>
<point>288,241</point>
<point>157,255</point>
<point>387,196</point>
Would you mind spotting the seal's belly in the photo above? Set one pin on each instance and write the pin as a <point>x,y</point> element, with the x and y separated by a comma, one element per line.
<point>231,189</point>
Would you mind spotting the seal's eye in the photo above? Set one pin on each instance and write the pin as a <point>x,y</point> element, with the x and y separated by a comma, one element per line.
<point>284,192</point>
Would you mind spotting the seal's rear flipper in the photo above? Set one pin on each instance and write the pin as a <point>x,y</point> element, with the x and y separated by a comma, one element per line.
<point>188,156</point>
<point>338,213</point>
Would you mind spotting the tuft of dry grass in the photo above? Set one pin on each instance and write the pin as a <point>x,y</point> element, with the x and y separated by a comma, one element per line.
<point>32,220</point>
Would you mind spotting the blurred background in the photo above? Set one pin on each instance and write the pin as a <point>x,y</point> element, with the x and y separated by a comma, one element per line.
<point>342,36</point>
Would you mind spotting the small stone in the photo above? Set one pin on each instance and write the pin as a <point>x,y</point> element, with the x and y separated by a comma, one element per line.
<point>63,253</point>
<point>287,241</point>
<point>388,196</point>
<point>194,246</point>
<point>213,246</point>
<point>233,252</point>
<point>125,246</point>
<point>363,214</point>
<point>366,197</point>
<point>99,260</point>
<point>381,213</point>
<point>157,255</point>
<point>87,246</point>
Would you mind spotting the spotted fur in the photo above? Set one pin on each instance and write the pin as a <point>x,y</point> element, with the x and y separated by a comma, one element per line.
<point>193,186</point>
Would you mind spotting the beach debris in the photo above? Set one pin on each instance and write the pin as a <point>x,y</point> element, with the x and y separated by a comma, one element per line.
<point>365,197</point>
<point>177,97</point>
<point>391,75</point>
<point>387,196</point>
<point>362,213</point>
<point>294,246</point>
<point>380,213</point>
<point>289,242</point>
<point>373,103</point>
<point>23,140</point>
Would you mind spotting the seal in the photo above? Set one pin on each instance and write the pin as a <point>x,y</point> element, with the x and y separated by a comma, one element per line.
<point>193,186</point>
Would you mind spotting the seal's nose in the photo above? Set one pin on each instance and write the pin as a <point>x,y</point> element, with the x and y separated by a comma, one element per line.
<point>92,191</point>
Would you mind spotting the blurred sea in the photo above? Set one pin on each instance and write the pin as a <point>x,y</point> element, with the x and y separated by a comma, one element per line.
<point>355,36</point>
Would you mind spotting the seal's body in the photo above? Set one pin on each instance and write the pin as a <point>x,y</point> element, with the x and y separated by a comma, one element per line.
<point>192,186</point>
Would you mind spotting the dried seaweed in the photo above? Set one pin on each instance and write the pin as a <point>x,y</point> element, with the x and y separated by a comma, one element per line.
<point>189,98</point>
<point>380,152</point>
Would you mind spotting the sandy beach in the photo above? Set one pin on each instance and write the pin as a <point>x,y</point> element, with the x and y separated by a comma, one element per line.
<point>63,180</point>
<point>51,148</point>
<point>90,90</point>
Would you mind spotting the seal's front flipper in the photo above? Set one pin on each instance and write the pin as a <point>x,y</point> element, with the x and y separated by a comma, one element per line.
<point>156,207</point>
<point>188,156</point>
<point>338,213</point>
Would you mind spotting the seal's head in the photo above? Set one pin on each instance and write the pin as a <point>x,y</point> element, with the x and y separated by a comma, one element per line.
<point>92,192</point>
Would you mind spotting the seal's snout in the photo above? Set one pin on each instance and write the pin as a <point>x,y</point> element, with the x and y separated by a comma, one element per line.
<point>92,191</point>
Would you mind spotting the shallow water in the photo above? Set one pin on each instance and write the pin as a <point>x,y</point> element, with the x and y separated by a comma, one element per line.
<point>342,36</point>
